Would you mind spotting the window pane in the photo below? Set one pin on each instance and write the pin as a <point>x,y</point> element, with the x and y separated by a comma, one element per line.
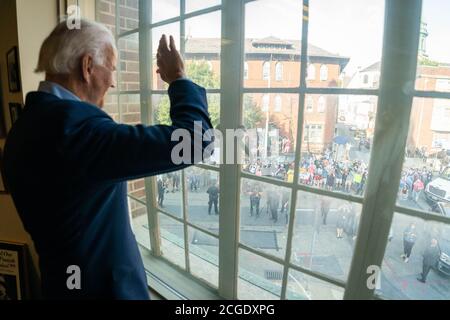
<point>203,49</point>
<point>264,216</point>
<point>204,256</point>
<point>129,62</point>
<point>139,223</point>
<point>169,29</point>
<point>259,278</point>
<point>161,109</point>
<point>172,240</point>
<point>271,134</point>
<point>111,106</point>
<point>165,9</point>
<point>433,72</point>
<point>136,189</point>
<point>303,287</point>
<point>169,193</point>
<point>409,254</point>
<point>203,198</point>
<point>425,180</point>
<point>129,15</point>
<point>195,5</point>
<point>277,40</point>
<point>337,139</point>
<point>106,14</point>
<point>325,232</point>
<point>130,108</point>
<point>350,48</point>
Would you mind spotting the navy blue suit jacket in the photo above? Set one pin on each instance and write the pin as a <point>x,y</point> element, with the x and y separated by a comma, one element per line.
<point>66,164</point>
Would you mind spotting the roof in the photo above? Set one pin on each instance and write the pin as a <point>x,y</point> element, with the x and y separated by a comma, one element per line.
<point>373,67</point>
<point>264,46</point>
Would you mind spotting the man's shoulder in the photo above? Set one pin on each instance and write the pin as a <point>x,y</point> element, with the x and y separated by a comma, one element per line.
<point>45,102</point>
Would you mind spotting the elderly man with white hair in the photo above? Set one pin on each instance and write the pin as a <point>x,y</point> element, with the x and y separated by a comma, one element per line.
<point>66,163</point>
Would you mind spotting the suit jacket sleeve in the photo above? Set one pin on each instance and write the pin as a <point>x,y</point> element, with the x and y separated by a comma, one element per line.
<point>106,151</point>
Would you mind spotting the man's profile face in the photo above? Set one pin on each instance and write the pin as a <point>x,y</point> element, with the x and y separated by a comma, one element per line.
<point>103,78</point>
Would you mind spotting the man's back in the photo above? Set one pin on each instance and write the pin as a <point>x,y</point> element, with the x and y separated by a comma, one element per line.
<point>66,164</point>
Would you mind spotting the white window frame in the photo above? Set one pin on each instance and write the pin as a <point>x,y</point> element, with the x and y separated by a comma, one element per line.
<point>398,69</point>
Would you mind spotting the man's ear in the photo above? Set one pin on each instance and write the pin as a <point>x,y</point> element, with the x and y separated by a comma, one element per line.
<point>87,67</point>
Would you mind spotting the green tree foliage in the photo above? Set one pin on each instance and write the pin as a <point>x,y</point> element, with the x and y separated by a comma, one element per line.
<point>200,73</point>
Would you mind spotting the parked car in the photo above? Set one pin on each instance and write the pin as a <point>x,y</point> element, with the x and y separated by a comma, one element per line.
<point>443,237</point>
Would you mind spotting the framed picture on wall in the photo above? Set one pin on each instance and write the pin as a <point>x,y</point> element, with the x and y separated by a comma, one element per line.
<point>2,111</point>
<point>12,62</point>
<point>3,189</point>
<point>13,273</point>
<point>15,109</point>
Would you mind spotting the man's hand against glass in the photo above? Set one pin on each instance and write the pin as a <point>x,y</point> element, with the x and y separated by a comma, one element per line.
<point>169,61</point>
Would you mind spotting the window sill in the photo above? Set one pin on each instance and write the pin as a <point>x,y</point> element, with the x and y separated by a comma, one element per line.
<point>171,283</point>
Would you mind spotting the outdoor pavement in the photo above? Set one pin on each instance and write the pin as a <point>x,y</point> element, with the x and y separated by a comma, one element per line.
<point>315,246</point>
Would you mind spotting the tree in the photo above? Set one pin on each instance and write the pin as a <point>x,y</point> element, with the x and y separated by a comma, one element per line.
<point>200,73</point>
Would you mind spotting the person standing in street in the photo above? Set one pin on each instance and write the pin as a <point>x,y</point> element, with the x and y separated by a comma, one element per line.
<point>161,191</point>
<point>409,239</point>
<point>273,204</point>
<point>255,199</point>
<point>213,193</point>
<point>430,258</point>
<point>324,208</point>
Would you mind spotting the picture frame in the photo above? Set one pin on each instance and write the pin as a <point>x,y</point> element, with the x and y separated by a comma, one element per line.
<point>12,62</point>
<point>13,273</point>
<point>15,110</point>
<point>2,112</point>
<point>3,188</point>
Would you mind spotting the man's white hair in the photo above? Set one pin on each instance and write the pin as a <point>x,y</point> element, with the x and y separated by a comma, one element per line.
<point>62,49</point>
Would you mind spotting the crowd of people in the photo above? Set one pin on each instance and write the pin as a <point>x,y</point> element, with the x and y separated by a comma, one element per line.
<point>320,170</point>
<point>413,182</point>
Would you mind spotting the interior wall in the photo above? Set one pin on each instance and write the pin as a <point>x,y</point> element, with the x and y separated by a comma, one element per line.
<point>23,23</point>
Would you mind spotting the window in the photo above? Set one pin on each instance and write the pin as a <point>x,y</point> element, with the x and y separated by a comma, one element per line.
<point>321,104</point>
<point>323,73</point>
<point>309,104</point>
<point>366,79</point>
<point>245,70</point>
<point>299,228</point>
<point>278,103</point>
<point>311,72</point>
<point>266,70</point>
<point>279,71</point>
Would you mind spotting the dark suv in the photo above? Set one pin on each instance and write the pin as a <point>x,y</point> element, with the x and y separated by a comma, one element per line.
<point>443,265</point>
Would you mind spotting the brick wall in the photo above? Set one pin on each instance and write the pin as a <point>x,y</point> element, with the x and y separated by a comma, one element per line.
<point>128,76</point>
